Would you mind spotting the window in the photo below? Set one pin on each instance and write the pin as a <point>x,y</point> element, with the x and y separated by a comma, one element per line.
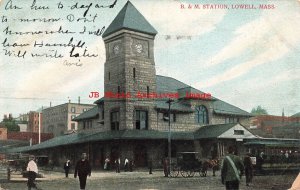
<point>141,120</point>
<point>230,120</point>
<point>73,109</point>
<point>239,132</point>
<point>102,113</point>
<point>201,115</point>
<point>227,120</point>
<point>134,73</point>
<point>172,116</point>
<point>87,124</point>
<point>114,118</point>
<point>148,91</point>
<point>73,116</point>
<point>73,126</point>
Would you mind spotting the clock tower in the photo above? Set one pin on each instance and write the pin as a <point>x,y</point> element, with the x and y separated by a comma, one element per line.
<point>129,70</point>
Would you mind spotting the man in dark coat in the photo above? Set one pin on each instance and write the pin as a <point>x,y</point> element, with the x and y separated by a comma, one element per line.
<point>82,169</point>
<point>166,167</point>
<point>232,170</point>
<point>67,167</point>
<point>150,166</point>
<point>248,169</point>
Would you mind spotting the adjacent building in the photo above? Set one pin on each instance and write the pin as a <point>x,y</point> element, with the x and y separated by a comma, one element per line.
<point>34,122</point>
<point>58,119</point>
<point>275,126</point>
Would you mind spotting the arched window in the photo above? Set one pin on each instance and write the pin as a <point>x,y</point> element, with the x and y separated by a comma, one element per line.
<point>201,115</point>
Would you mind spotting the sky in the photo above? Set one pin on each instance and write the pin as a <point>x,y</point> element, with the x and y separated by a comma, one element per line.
<point>246,57</point>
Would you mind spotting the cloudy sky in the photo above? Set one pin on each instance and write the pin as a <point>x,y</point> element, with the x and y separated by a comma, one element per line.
<point>245,57</point>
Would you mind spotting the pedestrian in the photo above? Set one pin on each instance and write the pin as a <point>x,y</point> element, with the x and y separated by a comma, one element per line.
<point>117,165</point>
<point>166,167</point>
<point>131,164</point>
<point>286,155</point>
<point>260,162</point>
<point>126,165</point>
<point>67,167</point>
<point>150,166</point>
<point>32,170</point>
<point>248,168</point>
<point>232,170</point>
<point>106,163</point>
<point>51,164</point>
<point>82,169</point>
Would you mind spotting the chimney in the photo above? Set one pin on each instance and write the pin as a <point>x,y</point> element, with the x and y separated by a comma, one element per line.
<point>78,99</point>
<point>283,115</point>
<point>50,104</point>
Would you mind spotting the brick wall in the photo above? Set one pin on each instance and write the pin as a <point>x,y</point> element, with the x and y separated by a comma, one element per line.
<point>26,136</point>
<point>3,133</point>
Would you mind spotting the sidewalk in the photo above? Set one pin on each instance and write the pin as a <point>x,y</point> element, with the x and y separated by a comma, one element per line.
<point>98,174</point>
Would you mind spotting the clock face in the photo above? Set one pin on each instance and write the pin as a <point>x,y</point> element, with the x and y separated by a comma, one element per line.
<point>116,49</point>
<point>139,48</point>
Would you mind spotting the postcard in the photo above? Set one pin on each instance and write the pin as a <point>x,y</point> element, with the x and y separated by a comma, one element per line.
<point>145,87</point>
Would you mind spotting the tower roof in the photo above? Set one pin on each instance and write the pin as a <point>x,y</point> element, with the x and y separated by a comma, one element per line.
<point>130,18</point>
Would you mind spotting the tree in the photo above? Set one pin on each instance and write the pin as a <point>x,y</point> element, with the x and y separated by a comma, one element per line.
<point>10,124</point>
<point>259,111</point>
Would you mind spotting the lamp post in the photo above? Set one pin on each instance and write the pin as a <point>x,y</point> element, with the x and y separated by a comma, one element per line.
<point>169,135</point>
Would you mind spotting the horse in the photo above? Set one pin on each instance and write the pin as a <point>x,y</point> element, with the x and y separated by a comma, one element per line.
<point>207,164</point>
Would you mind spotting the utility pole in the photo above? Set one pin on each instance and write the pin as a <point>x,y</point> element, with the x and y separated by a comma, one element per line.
<point>169,135</point>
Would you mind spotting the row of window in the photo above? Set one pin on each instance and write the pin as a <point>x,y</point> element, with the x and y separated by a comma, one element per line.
<point>87,124</point>
<point>141,118</point>
<point>73,109</point>
<point>55,111</point>
<point>231,120</point>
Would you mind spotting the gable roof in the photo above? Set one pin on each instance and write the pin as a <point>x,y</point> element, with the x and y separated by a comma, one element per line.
<point>212,131</point>
<point>130,18</point>
<point>226,131</point>
<point>91,113</point>
<point>221,107</point>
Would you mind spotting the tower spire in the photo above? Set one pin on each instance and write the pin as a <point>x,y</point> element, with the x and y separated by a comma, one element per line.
<point>131,19</point>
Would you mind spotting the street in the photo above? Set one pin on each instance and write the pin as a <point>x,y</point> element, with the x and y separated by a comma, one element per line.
<point>142,180</point>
